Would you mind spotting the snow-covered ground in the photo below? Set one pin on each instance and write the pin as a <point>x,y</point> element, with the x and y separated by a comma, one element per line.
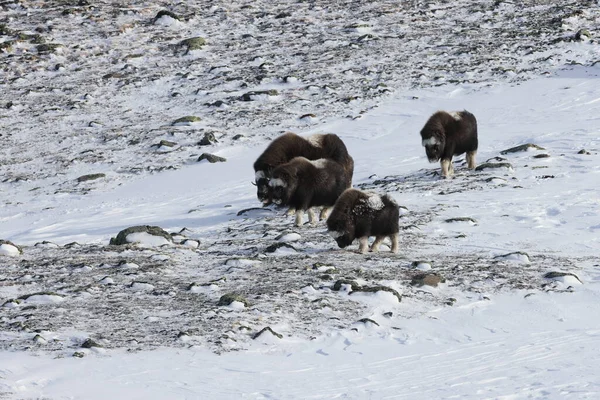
<point>516,247</point>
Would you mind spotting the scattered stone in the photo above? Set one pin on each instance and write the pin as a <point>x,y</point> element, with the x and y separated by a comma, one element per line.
<point>485,166</point>
<point>165,143</point>
<point>267,329</point>
<point>46,244</point>
<point>340,283</point>
<point>195,43</point>
<point>79,354</point>
<point>584,151</point>
<point>496,159</point>
<point>368,321</point>
<point>255,210</point>
<point>251,96</point>
<point>90,177</point>
<point>211,158</point>
<point>89,343</point>
<point>165,13</point>
<point>8,248</point>
<point>432,280</point>
<point>46,48</point>
<point>545,177</point>
<point>422,265</point>
<point>515,256</point>
<point>543,155</point>
<point>208,139</point>
<point>388,314</point>
<point>229,298</point>
<point>375,289</point>
<point>122,236</point>
<point>187,120</point>
<point>582,35</point>
<point>288,237</point>
<point>39,339</point>
<point>523,147</point>
<point>562,276</point>
<point>450,301</point>
<point>461,219</point>
<point>277,247</point>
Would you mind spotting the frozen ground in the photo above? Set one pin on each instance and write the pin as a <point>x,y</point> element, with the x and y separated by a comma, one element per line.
<point>146,322</point>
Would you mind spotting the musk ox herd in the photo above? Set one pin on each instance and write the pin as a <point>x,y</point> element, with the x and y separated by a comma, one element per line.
<point>315,172</point>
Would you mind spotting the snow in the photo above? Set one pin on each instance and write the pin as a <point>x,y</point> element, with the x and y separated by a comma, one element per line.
<point>498,328</point>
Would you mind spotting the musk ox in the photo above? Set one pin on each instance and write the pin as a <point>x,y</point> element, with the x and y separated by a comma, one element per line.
<point>358,214</point>
<point>448,134</point>
<point>303,184</point>
<point>289,145</point>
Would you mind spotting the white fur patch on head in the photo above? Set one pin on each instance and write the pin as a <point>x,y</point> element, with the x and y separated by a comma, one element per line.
<point>259,175</point>
<point>320,163</point>
<point>374,202</point>
<point>316,140</point>
<point>277,182</point>
<point>335,234</point>
<point>456,115</point>
<point>430,142</point>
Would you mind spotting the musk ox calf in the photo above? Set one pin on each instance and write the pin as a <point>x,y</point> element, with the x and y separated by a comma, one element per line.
<point>303,184</point>
<point>358,214</point>
<point>448,134</point>
<point>289,145</point>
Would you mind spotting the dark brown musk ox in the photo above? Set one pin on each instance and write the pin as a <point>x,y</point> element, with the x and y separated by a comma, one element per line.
<point>303,184</point>
<point>448,134</point>
<point>358,214</point>
<point>289,145</point>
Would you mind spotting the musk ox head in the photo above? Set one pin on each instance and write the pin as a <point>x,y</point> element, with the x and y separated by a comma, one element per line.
<point>341,231</point>
<point>281,186</point>
<point>434,143</point>
<point>262,188</point>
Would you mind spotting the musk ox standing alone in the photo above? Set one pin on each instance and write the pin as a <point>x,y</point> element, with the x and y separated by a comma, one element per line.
<point>302,184</point>
<point>289,145</point>
<point>358,214</point>
<point>447,134</point>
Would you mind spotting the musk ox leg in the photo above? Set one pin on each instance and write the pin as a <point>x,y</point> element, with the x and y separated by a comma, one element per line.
<point>299,214</point>
<point>377,242</point>
<point>394,239</point>
<point>447,168</point>
<point>312,216</point>
<point>363,244</point>
<point>324,213</point>
<point>291,211</point>
<point>471,159</point>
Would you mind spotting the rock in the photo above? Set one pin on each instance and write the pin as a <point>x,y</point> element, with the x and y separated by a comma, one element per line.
<point>354,286</point>
<point>461,219</point>
<point>584,151</point>
<point>187,120</point>
<point>255,211</point>
<point>367,320</point>
<point>78,354</point>
<point>375,289</point>
<point>165,13</point>
<point>46,48</point>
<point>421,265</point>
<point>250,96</point>
<point>582,34</point>
<point>515,256</point>
<point>89,343</point>
<point>208,139</point>
<point>211,158</point>
<point>493,166</point>
<point>543,155</point>
<point>90,177</point>
<point>278,246</point>
<point>557,275</point>
<point>122,239</point>
<point>165,143</point>
<point>195,43</point>
<point>432,280</point>
<point>267,329</point>
<point>229,298</point>
<point>8,248</point>
<point>523,147</point>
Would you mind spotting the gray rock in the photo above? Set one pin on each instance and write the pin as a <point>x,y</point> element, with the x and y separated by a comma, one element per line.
<point>432,280</point>
<point>90,177</point>
<point>354,286</point>
<point>249,95</point>
<point>211,158</point>
<point>460,219</point>
<point>485,166</point>
<point>375,289</point>
<point>267,329</point>
<point>276,246</point>
<point>229,298</point>
<point>189,119</point>
<point>208,139</point>
<point>12,244</point>
<point>523,147</point>
<point>121,238</point>
<point>558,274</point>
<point>163,13</point>
<point>195,43</point>
<point>89,343</point>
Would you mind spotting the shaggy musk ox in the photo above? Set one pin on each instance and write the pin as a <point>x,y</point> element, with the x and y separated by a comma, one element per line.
<point>358,214</point>
<point>289,145</point>
<point>302,184</point>
<point>449,134</point>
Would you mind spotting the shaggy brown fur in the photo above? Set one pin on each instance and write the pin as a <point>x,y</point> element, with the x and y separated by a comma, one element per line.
<point>358,214</point>
<point>448,134</point>
<point>302,184</point>
<point>289,145</point>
